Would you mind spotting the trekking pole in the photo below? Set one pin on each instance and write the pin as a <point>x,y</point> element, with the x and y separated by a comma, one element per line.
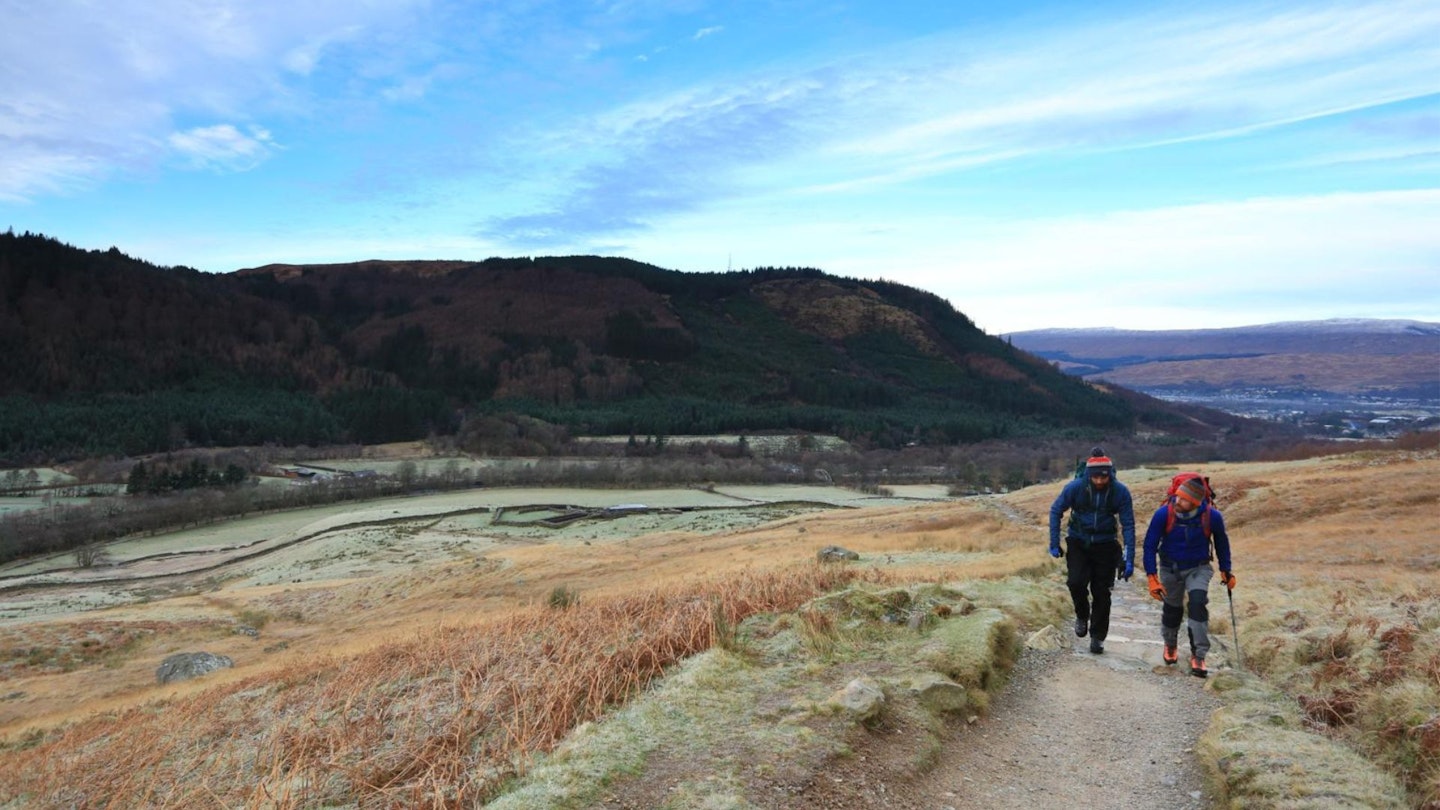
<point>1235,627</point>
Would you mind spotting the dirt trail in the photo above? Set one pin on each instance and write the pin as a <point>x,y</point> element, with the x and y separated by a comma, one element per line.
<point>1073,729</point>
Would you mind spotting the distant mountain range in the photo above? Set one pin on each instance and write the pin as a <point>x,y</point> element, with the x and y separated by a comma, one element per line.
<point>1362,363</point>
<point>108,353</point>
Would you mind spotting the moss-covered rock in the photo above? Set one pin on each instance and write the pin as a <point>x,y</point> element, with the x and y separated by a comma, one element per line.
<point>1258,754</point>
<point>782,701</point>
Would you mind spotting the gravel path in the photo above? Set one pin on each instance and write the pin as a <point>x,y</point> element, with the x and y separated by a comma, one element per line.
<point>1072,729</point>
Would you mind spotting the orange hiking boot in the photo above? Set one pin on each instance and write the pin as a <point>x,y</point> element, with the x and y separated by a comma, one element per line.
<point>1197,667</point>
<point>1171,655</point>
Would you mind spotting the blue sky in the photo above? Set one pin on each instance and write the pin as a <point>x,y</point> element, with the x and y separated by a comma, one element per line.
<point>1132,165</point>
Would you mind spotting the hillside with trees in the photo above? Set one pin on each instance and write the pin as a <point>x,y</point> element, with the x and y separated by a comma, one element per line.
<point>107,354</point>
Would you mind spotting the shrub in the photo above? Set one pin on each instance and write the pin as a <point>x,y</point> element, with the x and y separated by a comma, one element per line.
<point>563,597</point>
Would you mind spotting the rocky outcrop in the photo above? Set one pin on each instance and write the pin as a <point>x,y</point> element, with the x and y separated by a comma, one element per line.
<point>835,554</point>
<point>184,666</point>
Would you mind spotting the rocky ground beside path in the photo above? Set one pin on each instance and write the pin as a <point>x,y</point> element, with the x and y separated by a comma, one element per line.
<point>1070,729</point>
<point>1073,729</point>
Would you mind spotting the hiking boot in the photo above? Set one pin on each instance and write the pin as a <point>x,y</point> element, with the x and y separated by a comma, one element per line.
<point>1171,655</point>
<point>1082,626</point>
<point>1097,646</point>
<point>1197,667</point>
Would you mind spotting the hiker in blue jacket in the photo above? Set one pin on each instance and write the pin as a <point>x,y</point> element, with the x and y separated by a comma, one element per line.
<point>1180,535</point>
<point>1098,506</point>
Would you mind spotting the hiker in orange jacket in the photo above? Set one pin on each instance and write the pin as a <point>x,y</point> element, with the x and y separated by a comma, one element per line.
<point>1178,546</point>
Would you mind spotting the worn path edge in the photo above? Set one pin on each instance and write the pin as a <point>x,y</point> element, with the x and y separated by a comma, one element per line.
<point>1073,729</point>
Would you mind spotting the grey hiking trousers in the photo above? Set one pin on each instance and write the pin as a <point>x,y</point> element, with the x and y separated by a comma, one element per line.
<point>1192,586</point>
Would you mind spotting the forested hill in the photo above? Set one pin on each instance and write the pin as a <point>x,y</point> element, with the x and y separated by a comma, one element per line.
<point>105,353</point>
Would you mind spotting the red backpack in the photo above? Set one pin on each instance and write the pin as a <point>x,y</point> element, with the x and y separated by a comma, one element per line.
<point>1169,503</point>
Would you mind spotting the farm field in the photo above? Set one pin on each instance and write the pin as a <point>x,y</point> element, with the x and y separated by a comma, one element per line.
<point>299,571</point>
<point>232,538</point>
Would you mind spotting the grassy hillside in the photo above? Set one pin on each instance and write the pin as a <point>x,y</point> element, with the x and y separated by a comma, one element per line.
<point>429,668</point>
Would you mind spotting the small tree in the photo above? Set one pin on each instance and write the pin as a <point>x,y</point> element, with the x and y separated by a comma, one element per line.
<point>89,555</point>
<point>139,481</point>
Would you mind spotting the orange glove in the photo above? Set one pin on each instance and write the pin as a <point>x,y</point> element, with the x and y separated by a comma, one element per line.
<point>1157,591</point>
<point>1228,578</point>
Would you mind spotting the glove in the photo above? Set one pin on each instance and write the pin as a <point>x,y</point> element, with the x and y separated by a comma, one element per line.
<point>1055,550</point>
<point>1157,591</point>
<point>1128,570</point>
<point>1228,578</point>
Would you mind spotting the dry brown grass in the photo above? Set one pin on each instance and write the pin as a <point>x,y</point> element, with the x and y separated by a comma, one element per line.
<point>385,695</point>
<point>1338,602</point>
<point>59,647</point>
<point>1339,598</point>
<point>1362,661</point>
<point>438,721</point>
<point>350,617</point>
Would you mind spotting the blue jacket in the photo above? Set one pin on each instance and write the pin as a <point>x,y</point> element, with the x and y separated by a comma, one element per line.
<point>1185,545</point>
<point>1094,513</point>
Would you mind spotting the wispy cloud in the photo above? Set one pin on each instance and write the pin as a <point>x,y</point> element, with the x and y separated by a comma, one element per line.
<point>223,146</point>
<point>31,172</point>
<point>708,32</point>
<point>670,157</point>
<point>950,103</point>
<point>1417,127</point>
<point>1154,80</point>
<point>88,95</point>
<point>303,58</point>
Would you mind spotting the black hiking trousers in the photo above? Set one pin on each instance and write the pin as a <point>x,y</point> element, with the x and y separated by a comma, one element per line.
<point>1091,569</point>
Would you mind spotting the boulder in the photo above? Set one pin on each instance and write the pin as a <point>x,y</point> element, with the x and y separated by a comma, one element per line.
<point>939,694</point>
<point>184,666</point>
<point>835,554</point>
<point>1047,638</point>
<point>862,697</point>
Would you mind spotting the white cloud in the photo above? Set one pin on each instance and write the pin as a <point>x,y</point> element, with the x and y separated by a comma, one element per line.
<point>31,173</point>
<point>1228,264</point>
<point>223,147</point>
<point>90,94</point>
<point>1143,81</point>
<point>707,32</point>
<point>306,56</point>
<point>910,112</point>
